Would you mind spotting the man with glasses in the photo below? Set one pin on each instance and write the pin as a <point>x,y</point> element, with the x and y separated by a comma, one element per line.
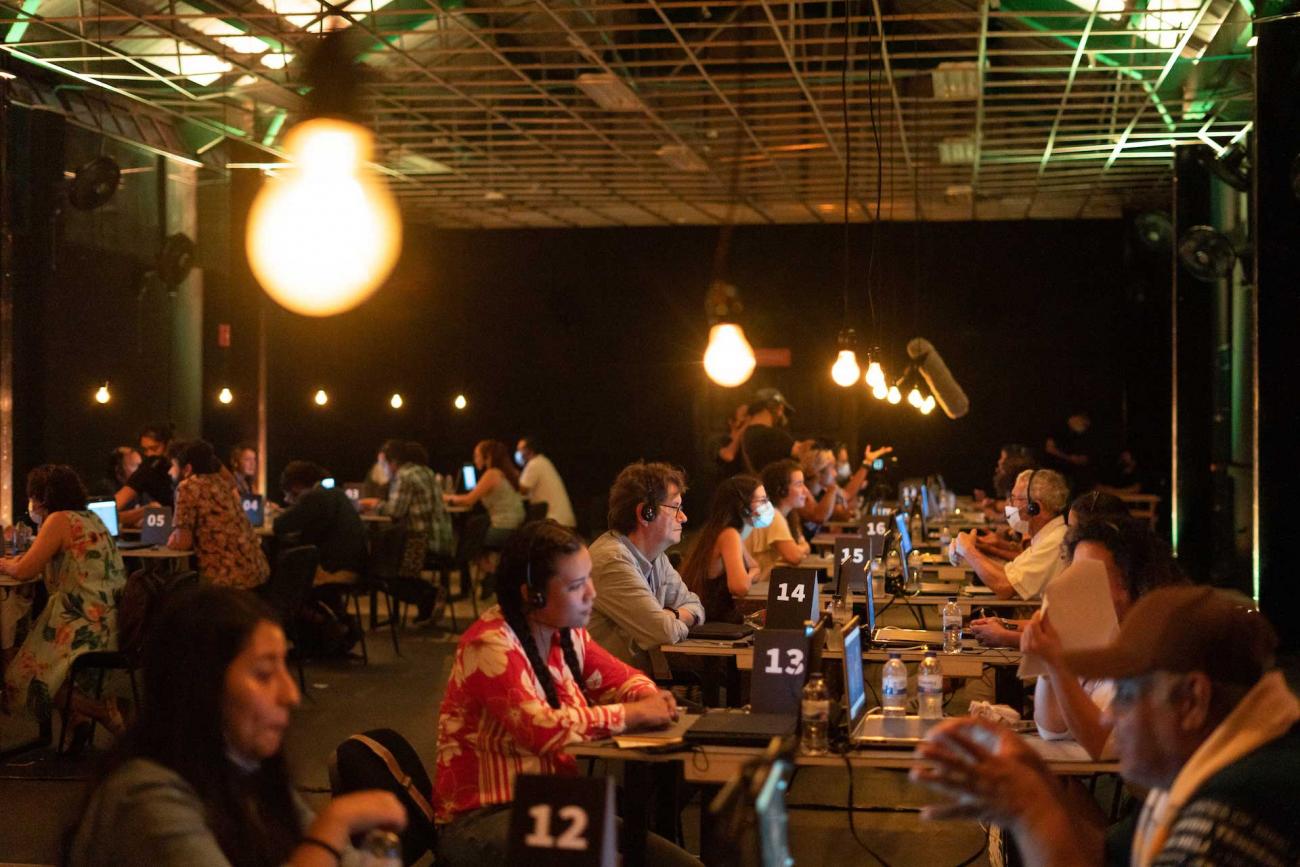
<point>1201,719</point>
<point>1037,514</point>
<point>641,600</point>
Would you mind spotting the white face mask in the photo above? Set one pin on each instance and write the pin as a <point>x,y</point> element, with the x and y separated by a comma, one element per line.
<point>844,470</point>
<point>763,516</point>
<point>519,458</point>
<point>1014,519</point>
<point>35,512</point>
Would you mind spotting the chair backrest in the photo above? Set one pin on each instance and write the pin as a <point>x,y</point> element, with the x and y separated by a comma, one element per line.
<point>387,548</point>
<point>472,537</point>
<point>536,511</point>
<point>383,759</point>
<point>140,602</point>
<point>1143,506</point>
<point>291,578</point>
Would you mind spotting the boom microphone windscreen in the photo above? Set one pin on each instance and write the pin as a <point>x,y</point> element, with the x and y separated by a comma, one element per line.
<point>947,393</point>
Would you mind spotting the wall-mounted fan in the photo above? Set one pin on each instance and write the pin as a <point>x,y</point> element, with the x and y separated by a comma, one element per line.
<point>1154,231</point>
<point>175,260</point>
<point>1207,253</point>
<point>94,183</point>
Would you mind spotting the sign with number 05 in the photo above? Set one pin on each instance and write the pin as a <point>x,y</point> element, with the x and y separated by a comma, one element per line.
<point>791,598</point>
<point>563,820</point>
<point>156,525</point>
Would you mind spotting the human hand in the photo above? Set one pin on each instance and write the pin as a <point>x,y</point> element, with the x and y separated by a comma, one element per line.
<point>966,542</point>
<point>357,813</point>
<point>869,454</point>
<point>991,632</point>
<point>989,772</point>
<point>651,712</point>
<point>1041,638</point>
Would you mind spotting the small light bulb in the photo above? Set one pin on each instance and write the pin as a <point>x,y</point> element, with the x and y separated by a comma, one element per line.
<point>395,401</point>
<point>729,360</point>
<point>321,397</point>
<point>879,392</point>
<point>225,395</point>
<point>845,370</point>
<point>914,397</point>
<point>894,395</point>
<point>927,405</point>
<point>460,402</point>
<point>102,395</point>
<point>875,375</point>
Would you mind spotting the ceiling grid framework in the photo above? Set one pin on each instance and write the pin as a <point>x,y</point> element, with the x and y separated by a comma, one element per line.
<point>562,113</point>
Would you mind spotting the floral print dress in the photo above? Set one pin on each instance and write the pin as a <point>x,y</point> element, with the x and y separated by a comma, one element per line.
<point>85,581</point>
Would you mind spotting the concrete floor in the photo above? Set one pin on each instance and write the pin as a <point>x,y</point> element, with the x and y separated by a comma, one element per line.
<point>41,793</point>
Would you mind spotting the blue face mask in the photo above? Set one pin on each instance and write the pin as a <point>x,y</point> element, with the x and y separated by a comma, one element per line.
<point>519,458</point>
<point>763,516</point>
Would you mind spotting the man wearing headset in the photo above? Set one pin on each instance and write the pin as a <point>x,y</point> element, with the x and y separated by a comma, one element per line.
<point>1036,510</point>
<point>641,600</point>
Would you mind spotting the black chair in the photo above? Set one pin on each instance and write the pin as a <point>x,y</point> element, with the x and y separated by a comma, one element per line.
<point>471,544</point>
<point>383,569</point>
<point>535,511</point>
<point>286,590</point>
<point>128,660</point>
<point>356,765</point>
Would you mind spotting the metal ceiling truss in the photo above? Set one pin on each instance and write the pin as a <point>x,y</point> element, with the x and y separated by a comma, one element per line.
<point>599,113</point>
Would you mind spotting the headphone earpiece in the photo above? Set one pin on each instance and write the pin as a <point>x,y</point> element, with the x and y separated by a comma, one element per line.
<point>536,597</point>
<point>1032,508</point>
<point>649,513</point>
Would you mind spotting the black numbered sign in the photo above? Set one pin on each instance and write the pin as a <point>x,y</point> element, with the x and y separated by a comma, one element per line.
<point>563,821</point>
<point>781,659</point>
<point>353,490</point>
<point>853,556</point>
<point>791,598</point>
<point>156,525</point>
<point>875,531</point>
<point>253,509</point>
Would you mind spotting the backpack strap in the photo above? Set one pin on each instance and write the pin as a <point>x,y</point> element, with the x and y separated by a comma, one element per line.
<point>403,778</point>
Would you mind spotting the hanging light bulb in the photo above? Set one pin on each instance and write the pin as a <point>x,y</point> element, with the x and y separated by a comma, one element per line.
<point>321,398</point>
<point>225,396</point>
<point>845,371</point>
<point>395,401</point>
<point>460,402</point>
<point>729,360</point>
<point>875,375</point>
<point>894,395</point>
<point>914,397</point>
<point>879,392</point>
<point>927,405</point>
<point>102,395</point>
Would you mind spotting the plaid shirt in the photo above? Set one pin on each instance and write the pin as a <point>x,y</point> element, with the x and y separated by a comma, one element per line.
<point>415,499</point>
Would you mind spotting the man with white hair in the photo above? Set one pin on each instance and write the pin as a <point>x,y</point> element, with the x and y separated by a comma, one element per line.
<point>1036,510</point>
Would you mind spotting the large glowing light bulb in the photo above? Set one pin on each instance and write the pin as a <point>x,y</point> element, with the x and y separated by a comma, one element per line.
<point>225,396</point>
<point>914,397</point>
<point>395,401</point>
<point>927,405</point>
<point>875,376</point>
<point>321,398</point>
<point>102,395</point>
<point>729,360</point>
<point>845,370</point>
<point>324,233</point>
<point>879,392</point>
<point>894,395</point>
<point>460,402</point>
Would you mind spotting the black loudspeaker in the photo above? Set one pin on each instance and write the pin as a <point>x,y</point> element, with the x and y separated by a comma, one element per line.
<point>1276,224</point>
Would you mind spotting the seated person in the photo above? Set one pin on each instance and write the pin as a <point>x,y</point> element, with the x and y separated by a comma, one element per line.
<point>718,569</point>
<point>323,517</point>
<point>827,501</point>
<point>540,481</point>
<point>497,490</point>
<point>85,579</point>
<point>201,777</point>
<point>122,463</point>
<point>211,522</point>
<point>243,466</point>
<point>528,680</point>
<point>782,542</point>
<point>1135,562</point>
<point>1035,509</point>
<point>641,601</point>
<point>1201,719</point>
<point>1012,460</point>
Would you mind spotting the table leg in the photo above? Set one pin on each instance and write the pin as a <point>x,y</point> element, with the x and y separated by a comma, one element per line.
<point>638,781</point>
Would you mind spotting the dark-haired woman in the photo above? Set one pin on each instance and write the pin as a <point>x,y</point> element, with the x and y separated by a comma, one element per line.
<point>719,569</point>
<point>497,490</point>
<point>210,520</point>
<point>84,576</point>
<point>200,779</point>
<point>527,681</point>
<point>783,542</point>
<point>243,466</point>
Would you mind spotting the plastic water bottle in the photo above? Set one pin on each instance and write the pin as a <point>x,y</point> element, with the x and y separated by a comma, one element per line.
<point>841,614</point>
<point>929,687</point>
<point>914,571</point>
<point>945,538</point>
<point>893,687</point>
<point>382,849</point>
<point>816,713</point>
<point>951,626</point>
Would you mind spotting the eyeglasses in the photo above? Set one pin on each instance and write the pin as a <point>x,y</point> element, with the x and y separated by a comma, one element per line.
<point>1012,498</point>
<point>677,509</point>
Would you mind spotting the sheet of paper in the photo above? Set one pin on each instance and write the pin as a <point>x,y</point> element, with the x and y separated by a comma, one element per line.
<point>657,737</point>
<point>1078,603</point>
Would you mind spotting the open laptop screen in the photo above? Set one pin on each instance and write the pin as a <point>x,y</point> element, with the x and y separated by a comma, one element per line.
<point>855,695</point>
<point>468,476</point>
<point>106,511</point>
<point>770,813</point>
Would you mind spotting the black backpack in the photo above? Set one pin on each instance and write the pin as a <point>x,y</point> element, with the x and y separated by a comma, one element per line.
<point>383,759</point>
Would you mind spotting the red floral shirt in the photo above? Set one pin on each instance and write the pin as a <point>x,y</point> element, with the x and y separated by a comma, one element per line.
<point>495,723</point>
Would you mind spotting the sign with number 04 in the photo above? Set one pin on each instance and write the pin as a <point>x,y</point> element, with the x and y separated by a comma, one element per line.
<point>563,820</point>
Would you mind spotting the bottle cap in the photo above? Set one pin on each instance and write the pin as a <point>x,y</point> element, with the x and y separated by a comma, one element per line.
<point>929,652</point>
<point>952,598</point>
<point>894,654</point>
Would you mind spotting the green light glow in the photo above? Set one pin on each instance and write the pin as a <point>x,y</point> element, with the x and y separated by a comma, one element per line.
<point>273,129</point>
<point>19,29</point>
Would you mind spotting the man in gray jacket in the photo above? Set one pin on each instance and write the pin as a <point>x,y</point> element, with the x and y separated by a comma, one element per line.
<point>641,601</point>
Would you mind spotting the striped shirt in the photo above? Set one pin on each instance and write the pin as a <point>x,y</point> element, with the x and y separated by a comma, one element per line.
<point>495,723</point>
<point>416,500</point>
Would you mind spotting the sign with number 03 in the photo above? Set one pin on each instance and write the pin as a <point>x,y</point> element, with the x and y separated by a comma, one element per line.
<point>792,597</point>
<point>563,820</point>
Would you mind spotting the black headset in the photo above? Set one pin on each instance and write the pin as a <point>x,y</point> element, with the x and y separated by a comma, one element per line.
<point>650,511</point>
<point>1032,508</point>
<point>536,597</point>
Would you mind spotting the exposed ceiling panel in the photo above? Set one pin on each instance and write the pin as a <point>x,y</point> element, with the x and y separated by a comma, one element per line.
<point>537,113</point>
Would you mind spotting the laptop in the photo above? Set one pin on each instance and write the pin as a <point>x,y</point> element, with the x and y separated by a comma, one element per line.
<point>468,477</point>
<point>873,730</point>
<point>893,635</point>
<point>736,728</point>
<point>106,511</point>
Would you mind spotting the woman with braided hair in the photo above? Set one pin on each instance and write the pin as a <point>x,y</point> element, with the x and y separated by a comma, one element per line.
<point>527,681</point>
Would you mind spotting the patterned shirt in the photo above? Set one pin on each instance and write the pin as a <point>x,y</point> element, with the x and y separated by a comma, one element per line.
<point>227,548</point>
<point>415,499</point>
<point>495,723</point>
